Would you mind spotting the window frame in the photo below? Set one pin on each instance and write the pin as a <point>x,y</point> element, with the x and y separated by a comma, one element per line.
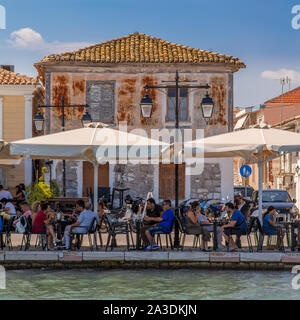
<point>188,107</point>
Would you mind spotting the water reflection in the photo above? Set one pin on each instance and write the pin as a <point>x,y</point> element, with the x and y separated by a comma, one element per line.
<point>148,284</point>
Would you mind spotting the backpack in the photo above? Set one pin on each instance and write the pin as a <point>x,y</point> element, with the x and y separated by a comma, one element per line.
<point>21,225</point>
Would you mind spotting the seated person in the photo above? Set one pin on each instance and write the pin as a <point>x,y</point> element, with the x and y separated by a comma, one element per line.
<point>237,226</point>
<point>42,223</point>
<point>8,207</point>
<point>207,227</point>
<point>193,226</point>
<point>19,197</point>
<point>101,208</point>
<point>153,210</point>
<point>269,228</point>
<point>39,224</point>
<point>26,212</point>
<point>83,223</point>
<point>164,224</point>
<point>4,193</point>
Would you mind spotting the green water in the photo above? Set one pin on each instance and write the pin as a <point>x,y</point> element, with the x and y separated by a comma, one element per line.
<point>148,284</point>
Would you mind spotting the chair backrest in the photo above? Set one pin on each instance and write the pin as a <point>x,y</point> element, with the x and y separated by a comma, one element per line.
<point>259,226</point>
<point>107,223</point>
<point>93,226</point>
<point>180,224</point>
<point>251,224</point>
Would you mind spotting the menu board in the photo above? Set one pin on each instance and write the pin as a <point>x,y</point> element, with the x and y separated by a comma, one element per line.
<point>100,98</point>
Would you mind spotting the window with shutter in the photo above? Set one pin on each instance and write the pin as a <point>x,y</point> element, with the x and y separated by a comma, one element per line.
<point>100,98</point>
<point>183,104</point>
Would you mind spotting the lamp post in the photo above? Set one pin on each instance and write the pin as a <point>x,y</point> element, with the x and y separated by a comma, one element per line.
<point>207,106</point>
<point>39,122</point>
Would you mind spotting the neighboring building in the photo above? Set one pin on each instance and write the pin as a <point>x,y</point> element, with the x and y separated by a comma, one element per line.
<point>283,107</point>
<point>110,77</point>
<point>17,98</point>
<point>282,112</point>
<point>283,171</point>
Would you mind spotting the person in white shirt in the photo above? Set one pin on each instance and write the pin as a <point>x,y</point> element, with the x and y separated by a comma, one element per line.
<point>8,207</point>
<point>4,193</point>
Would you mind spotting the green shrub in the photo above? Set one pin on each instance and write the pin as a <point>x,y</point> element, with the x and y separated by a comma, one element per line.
<point>55,188</point>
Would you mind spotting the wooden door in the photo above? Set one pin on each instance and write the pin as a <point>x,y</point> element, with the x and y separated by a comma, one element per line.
<point>88,176</point>
<point>167,181</point>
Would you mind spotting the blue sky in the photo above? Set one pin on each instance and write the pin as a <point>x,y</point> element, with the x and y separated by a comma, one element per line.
<point>259,32</point>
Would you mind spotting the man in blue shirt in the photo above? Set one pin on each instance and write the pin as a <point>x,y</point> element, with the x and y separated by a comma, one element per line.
<point>165,223</point>
<point>83,223</point>
<point>237,226</point>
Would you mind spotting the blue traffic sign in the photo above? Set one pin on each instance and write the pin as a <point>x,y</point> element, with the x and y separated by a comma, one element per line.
<point>245,171</point>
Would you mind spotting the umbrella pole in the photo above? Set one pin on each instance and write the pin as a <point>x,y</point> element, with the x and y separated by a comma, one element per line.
<point>96,166</point>
<point>260,167</point>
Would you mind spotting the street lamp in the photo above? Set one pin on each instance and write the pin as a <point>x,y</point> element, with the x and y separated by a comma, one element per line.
<point>39,122</point>
<point>146,105</point>
<point>86,118</point>
<point>207,106</point>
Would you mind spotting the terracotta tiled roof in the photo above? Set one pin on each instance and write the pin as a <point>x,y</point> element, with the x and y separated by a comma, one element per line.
<point>140,48</point>
<point>292,96</point>
<point>287,121</point>
<point>12,78</point>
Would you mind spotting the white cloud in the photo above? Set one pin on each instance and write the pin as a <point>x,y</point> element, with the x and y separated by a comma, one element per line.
<point>28,39</point>
<point>282,73</point>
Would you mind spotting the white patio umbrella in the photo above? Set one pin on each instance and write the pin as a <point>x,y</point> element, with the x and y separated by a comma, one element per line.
<point>95,143</point>
<point>254,145</point>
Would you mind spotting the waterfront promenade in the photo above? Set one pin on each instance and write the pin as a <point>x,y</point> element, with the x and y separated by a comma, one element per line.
<point>167,258</point>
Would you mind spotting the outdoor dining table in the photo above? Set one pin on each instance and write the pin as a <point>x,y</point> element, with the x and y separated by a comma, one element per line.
<point>216,223</point>
<point>61,225</point>
<point>138,225</point>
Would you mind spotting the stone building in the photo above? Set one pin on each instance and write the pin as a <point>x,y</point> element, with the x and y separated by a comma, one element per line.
<point>110,77</point>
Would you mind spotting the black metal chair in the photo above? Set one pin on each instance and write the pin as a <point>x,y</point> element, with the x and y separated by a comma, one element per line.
<point>101,229</point>
<point>89,231</point>
<point>251,228</point>
<point>168,235</point>
<point>26,239</point>
<point>183,233</point>
<point>262,235</point>
<point>6,234</point>
<point>114,229</point>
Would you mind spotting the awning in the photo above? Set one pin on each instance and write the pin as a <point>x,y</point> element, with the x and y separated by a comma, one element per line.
<point>240,123</point>
<point>9,162</point>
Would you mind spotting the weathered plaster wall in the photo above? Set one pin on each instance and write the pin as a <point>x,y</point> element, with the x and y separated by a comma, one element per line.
<point>138,178</point>
<point>129,89</point>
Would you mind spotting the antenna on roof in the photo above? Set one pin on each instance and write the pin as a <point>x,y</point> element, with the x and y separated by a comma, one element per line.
<point>288,81</point>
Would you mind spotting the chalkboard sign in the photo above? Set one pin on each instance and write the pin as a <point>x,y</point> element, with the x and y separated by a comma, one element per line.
<point>100,98</point>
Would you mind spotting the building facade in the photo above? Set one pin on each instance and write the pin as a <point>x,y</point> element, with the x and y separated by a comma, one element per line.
<point>110,78</point>
<point>18,95</point>
<point>282,112</point>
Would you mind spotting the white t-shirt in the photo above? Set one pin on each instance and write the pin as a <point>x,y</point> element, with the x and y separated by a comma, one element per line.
<point>12,209</point>
<point>5,194</point>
